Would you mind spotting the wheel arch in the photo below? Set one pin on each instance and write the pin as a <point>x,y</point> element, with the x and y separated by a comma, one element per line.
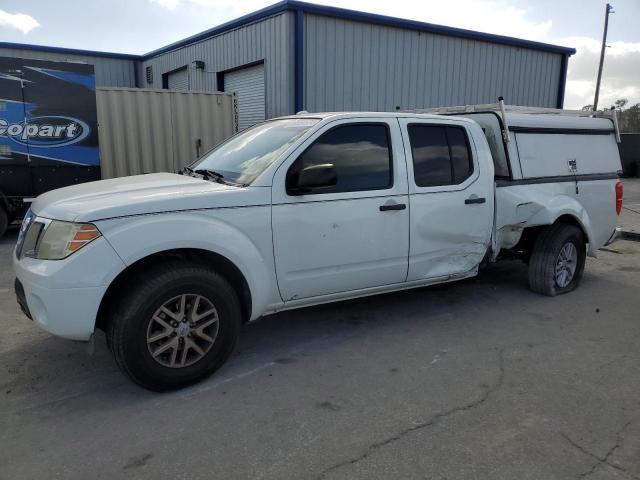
<point>217,262</point>
<point>531,233</point>
<point>566,209</point>
<point>570,219</point>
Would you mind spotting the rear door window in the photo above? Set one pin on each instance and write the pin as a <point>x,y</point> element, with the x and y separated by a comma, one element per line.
<point>441,155</point>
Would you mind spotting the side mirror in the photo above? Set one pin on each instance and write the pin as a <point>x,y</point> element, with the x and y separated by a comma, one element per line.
<point>315,176</point>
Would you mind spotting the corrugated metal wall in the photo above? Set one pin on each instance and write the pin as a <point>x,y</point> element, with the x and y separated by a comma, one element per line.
<point>348,65</point>
<point>360,66</point>
<point>112,72</point>
<point>270,40</point>
<point>145,131</point>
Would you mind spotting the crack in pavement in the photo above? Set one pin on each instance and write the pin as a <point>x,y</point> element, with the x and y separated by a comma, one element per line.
<point>605,460</point>
<point>427,423</point>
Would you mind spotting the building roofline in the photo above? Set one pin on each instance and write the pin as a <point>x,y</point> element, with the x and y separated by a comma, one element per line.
<point>297,6</point>
<point>424,27</point>
<point>225,27</point>
<point>71,51</point>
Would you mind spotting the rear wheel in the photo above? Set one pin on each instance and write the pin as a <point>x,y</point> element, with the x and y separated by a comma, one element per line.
<point>176,324</point>
<point>557,260</point>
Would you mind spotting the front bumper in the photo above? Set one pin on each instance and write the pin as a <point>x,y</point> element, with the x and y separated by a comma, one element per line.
<point>69,313</point>
<point>63,296</point>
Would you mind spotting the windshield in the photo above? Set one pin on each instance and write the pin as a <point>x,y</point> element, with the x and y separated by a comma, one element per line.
<point>245,156</point>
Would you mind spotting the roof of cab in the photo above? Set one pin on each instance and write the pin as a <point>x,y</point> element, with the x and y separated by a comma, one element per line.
<point>336,115</point>
<point>522,120</point>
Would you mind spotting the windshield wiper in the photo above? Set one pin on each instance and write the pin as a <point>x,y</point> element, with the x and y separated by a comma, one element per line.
<point>209,173</point>
<point>186,171</point>
<point>216,176</point>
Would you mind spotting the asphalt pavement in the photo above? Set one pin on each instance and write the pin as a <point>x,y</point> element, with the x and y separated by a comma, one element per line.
<point>480,379</point>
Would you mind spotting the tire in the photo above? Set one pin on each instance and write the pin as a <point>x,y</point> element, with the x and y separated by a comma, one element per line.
<point>135,320</point>
<point>4,221</point>
<point>546,257</point>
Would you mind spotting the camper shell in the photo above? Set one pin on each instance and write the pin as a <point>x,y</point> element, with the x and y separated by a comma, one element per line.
<point>548,161</point>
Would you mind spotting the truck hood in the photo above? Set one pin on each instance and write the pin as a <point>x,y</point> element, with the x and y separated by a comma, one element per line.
<point>137,195</point>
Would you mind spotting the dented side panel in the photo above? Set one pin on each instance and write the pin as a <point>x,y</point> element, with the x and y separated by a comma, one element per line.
<point>522,206</point>
<point>450,235</point>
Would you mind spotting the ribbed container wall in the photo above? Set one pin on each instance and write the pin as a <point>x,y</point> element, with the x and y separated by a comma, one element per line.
<point>269,40</point>
<point>110,72</point>
<point>362,66</point>
<point>147,131</point>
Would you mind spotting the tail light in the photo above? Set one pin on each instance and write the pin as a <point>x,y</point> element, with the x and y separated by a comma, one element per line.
<point>618,197</point>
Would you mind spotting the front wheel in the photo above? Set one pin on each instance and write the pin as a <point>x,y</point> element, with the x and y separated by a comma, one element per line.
<point>557,261</point>
<point>176,324</point>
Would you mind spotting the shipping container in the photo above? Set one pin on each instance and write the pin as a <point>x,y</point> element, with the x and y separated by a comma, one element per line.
<point>148,130</point>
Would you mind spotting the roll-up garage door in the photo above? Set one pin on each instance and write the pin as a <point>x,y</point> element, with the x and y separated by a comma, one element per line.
<point>178,80</point>
<point>248,83</point>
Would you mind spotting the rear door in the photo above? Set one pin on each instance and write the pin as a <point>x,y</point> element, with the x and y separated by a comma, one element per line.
<point>354,235</point>
<point>451,199</point>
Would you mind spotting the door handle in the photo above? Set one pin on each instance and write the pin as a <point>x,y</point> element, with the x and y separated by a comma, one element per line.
<point>392,206</point>
<point>474,199</point>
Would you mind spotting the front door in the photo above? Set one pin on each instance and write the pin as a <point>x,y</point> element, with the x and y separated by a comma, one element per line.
<point>352,235</point>
<point>451,196</point>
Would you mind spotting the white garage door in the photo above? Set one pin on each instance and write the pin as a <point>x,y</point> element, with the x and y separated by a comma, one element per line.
<point>178,80</point>
<point>248,83</point>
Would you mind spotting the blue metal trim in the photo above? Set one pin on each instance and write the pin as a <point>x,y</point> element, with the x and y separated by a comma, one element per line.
<point>424,27</point>
<point>299,61</point>
<point>294,5</point>
<point>74,51</point>
<point>563,81</point>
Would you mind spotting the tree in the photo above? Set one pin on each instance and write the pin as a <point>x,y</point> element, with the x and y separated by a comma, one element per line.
<point>628,118</point>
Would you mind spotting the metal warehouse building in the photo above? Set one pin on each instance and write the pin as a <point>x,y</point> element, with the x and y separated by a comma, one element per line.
<point>296,56</point>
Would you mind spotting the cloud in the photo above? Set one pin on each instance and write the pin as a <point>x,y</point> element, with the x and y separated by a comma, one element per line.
<point>170,4</point>
<point>492,16</point>
<point>619,75</point>
<point>18,21</point>
<point>235,7</point>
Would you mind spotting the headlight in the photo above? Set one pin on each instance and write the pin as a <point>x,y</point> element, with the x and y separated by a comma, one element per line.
<point>54,240</point>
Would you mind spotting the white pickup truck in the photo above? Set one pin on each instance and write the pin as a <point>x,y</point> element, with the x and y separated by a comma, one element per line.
<point>309,209</point>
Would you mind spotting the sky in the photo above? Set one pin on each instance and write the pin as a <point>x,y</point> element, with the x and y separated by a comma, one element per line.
<point>139,26</point>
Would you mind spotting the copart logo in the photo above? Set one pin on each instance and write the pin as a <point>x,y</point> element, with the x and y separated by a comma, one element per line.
<point>45,131</point>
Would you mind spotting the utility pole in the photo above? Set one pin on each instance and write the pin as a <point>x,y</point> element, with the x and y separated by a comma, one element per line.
<point>604,45</point>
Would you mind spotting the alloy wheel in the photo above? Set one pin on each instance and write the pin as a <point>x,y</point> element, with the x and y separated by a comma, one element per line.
<point>182,330</point>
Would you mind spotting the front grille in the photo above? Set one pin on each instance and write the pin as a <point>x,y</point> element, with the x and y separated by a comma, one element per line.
<point>26,223</point>
<point>31,233</point>
<point>31,238</point>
